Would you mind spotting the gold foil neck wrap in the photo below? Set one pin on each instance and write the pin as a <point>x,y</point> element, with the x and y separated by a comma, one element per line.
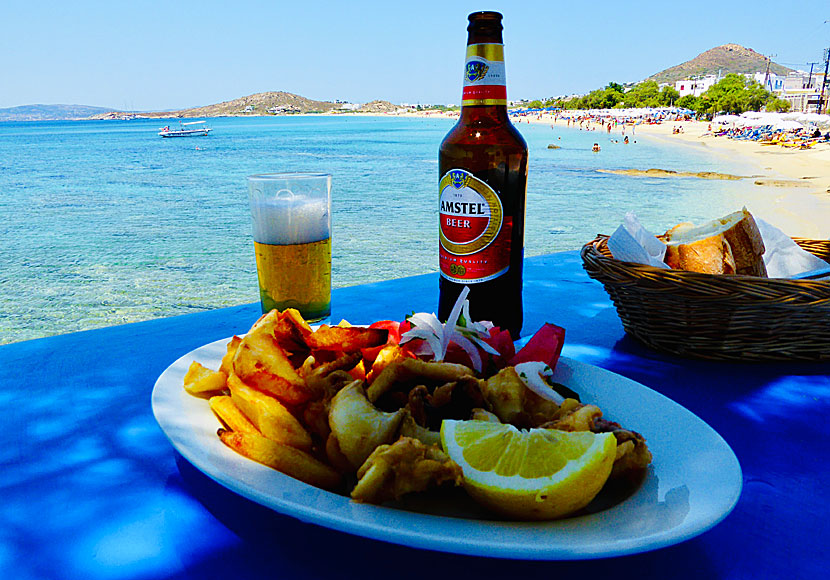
<point>491,52</point>
<point>484,102</point>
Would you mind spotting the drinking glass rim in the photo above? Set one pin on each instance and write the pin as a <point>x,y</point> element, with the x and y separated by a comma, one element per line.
<point>287,175</point>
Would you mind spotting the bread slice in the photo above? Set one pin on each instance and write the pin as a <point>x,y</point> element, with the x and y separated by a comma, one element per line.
<point>728,245</point>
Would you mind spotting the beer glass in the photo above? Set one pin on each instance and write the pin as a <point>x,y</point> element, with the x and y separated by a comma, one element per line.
<point>292,240</point>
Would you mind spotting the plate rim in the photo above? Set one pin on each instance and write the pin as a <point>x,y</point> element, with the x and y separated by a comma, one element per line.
<point>166,392</point>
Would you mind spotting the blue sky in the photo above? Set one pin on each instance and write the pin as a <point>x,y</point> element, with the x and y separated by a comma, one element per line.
<point>149,55</point>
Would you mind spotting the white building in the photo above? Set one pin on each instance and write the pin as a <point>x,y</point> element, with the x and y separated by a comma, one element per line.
<point>770,81</point>
<point>802,91</point>
<point>695,86</point>
<point>799,88</point>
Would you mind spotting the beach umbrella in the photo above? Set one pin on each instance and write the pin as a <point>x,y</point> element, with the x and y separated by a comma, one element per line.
<point>758,118</point>
<point>723,119</point>
<point>792,116</point>
<point>813,118</point>
<point>788,125</point>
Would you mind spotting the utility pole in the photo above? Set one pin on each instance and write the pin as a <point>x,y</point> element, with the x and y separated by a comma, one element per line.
<point>821,106</point>
<point>766,75</point>
<point>810,78</point>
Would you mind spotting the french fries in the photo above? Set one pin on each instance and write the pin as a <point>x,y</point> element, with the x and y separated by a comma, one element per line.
<point>346,339</point>
<point>274,387</point>
<point>227,361</point>
<point>261,362</point>
<point>271,418</point>
<point>289,460</point>
<point>230,415</point>
<point>203,382</point>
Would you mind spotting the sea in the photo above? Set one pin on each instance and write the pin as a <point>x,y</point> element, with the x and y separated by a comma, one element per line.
<point>105,222</point>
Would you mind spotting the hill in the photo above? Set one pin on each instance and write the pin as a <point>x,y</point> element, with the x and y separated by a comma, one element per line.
<point>256,104</point>
<point>729,58</point>
<point>269,103</point>
<point>49,112</point>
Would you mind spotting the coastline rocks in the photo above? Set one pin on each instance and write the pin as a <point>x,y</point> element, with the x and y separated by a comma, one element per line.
<point>671,173</point>
<point>783,183</point>
<point>552,146</point>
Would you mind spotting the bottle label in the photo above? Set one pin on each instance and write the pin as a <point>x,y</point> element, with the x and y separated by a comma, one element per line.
<point>484,80</point>
<point>474,232</point>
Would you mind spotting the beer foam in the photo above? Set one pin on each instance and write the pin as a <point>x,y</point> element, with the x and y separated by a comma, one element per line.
<point>284,221</point>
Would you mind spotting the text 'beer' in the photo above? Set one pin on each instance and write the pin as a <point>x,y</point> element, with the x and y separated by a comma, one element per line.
<point>483,181</point>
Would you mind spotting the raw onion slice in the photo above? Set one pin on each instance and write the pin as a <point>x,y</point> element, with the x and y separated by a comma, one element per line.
<point>468,347</point>
<point>533,374</point>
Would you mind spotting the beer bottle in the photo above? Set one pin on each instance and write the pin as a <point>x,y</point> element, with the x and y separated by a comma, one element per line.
<point>483,181</point>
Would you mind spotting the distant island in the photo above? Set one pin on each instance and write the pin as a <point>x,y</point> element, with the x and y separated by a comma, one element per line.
<point>50,112</point>
<point>720,61</point>
<point>269,103</point>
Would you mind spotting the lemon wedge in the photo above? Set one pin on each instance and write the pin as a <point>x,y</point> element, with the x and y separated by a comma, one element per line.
<point>538,474</point>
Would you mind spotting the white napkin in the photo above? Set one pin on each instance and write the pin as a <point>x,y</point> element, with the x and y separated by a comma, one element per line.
<point>783,257</point>
<point>633,243</point>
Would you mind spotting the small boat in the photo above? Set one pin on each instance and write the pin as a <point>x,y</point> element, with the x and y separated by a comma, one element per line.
<point>183,131</point>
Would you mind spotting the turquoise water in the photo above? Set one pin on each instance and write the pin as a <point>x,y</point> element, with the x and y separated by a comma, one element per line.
<point>104,222</point>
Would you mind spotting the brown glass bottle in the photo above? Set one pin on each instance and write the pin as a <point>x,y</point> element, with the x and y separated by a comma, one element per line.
<point>483,182</point>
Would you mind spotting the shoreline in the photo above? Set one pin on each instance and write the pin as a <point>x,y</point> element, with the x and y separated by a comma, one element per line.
<point>798,181</point>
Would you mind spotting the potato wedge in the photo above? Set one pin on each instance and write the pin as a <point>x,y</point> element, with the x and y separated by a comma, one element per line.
<point>203,382</point>
<point>262,363</point>
<point>268,415</point>
<point>293,315</point>
<point>227,361</point>
<point>346,339</point>
<point>284,458</point>
<point>224,408</point>
<point>265,322</point>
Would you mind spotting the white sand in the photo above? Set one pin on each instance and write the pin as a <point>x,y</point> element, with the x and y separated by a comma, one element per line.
<point>794,184</point>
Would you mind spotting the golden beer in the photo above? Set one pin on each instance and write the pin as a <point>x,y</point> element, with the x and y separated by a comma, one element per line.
<point>295,276</point>
<point>292,241</point>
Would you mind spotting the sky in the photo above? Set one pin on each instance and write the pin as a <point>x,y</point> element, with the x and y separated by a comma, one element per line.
<point>149,55</point>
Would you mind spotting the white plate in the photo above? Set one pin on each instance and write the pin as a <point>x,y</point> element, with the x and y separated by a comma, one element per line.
<point>693,483</point>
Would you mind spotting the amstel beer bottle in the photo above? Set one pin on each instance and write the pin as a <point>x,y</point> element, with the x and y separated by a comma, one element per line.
<point>483,181</point>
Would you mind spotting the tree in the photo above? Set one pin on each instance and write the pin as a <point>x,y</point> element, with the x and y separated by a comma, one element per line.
<point>735,94</point>
<point>776,105</point>
<point>732,94</point>
<point>645,94</point>
<point>668,96</point>
<point>687,102</point>
<point>606,98</point>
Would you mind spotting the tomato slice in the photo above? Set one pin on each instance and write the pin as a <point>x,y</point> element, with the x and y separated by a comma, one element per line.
<point>394,328</point>
<point>544,346</point>
<point>502,342</point>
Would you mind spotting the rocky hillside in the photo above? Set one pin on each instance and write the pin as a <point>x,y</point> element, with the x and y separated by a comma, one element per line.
<point>729,58</point>
<point>257,104</point>
<point>378,107</point>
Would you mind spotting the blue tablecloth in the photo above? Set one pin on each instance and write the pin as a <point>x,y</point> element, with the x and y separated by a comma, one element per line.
<point>92,489</point>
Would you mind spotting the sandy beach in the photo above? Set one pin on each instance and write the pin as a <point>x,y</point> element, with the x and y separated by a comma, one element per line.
<point>793,184</point>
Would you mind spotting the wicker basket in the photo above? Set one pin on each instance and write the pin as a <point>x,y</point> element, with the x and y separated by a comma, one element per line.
<point>718,317</point>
